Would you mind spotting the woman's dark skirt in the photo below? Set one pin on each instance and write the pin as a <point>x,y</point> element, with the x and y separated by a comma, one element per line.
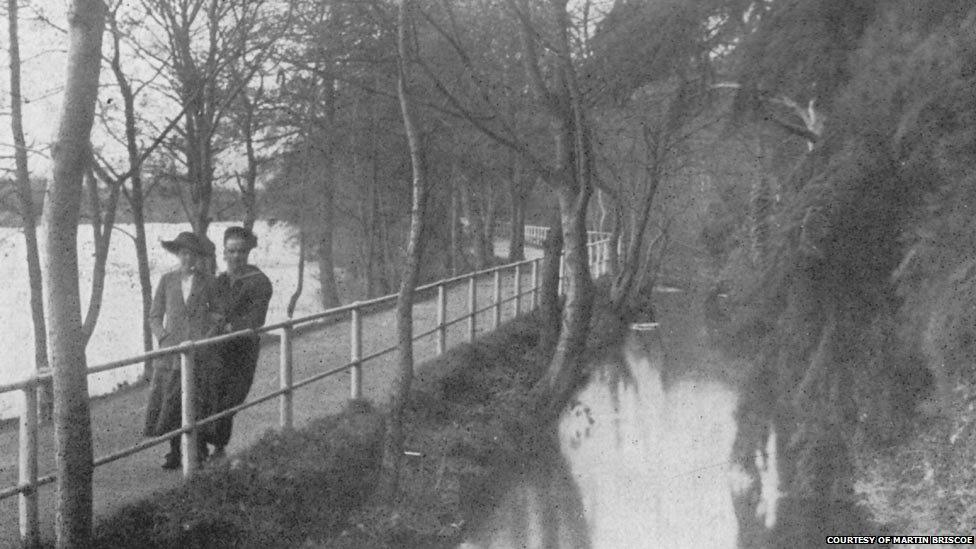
<point>164,412</point>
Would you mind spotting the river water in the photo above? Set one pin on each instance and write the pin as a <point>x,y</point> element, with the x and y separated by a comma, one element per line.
<point>644,457</point>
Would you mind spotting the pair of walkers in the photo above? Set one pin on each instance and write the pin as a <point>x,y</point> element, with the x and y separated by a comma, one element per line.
<point>192,304</point>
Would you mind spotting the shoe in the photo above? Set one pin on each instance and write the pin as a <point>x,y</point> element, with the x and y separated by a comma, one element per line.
<point>218,454</point>
<point>172,462</point>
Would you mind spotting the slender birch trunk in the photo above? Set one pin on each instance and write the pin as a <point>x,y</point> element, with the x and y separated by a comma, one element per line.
<point>26,199</point>
<point>293,300</point>
<point>393,441</point>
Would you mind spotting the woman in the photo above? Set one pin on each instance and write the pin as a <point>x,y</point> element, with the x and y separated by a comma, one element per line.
<point>182,310</point>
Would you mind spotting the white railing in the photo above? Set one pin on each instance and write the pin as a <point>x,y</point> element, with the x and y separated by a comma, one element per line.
<point>598,243</point>
<point>29,480</point>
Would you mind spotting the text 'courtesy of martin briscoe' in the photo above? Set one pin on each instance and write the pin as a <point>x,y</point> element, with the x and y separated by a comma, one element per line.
<point>901,540</point>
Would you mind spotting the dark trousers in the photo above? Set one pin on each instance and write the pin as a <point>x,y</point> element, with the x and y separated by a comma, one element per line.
<point>230,385</point>
<point>176,451</point>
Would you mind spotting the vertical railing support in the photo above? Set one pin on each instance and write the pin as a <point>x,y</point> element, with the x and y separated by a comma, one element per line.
<point>518,290</point>
<point>597,258</point>
<point>355,354</point>
<point>441,319</point>
<point>285,402</point>
<point>27,476</point>
<point>188,394</point>
<point>535,284</point>
<point>605,265</point>
<point>562,270</point>
<point>497,291</point>
<point>472,307</point>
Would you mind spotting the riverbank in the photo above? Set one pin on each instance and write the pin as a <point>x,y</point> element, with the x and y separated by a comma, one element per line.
<point>466,425</point>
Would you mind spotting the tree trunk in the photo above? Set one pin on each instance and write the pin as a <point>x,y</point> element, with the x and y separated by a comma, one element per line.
<point>516,239</point>
<point>102,237</point>
<point>566,364</point>
<point>26,199</point>
<point>550,310</point>
<point>476,226</point>
<point>616,237</point>
<point>248,191</point>
<point>135,196</point>
<point>393,441</point>
<point>293,300</point>
<point>572,179</point>
<point>457,251</point>
<point>369,253</point>
<point>601,204</point>
<point>623,284</point>
<point>490,209</point>
<point>328,290</point>
<point>66,346</point>
<point>142,260</point>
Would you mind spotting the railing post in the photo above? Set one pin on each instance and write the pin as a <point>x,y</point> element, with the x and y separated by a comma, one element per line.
<point>598,259</point>
<point>472,307</point>
<point>562,269</point>
<point>27,471</point>
<point>188,394</point>
<point>535,284</point>
<point>441,319</point>
<point>518,290</point>
<point>497,290</point>
<point>605,257</point>
<point>285,402</point>
<point>356,354</point>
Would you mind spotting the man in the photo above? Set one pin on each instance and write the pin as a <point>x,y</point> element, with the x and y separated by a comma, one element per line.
<point>242,294</point>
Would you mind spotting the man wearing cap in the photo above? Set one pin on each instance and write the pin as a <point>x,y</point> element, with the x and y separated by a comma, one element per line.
<point>243,293</point>
<point>182,310</point>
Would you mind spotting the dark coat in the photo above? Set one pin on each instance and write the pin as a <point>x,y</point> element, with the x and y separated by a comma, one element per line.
<point>174,321</point>
<point>243,301</point>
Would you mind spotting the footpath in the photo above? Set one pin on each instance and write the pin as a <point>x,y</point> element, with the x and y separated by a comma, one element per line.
<point>117,420</point>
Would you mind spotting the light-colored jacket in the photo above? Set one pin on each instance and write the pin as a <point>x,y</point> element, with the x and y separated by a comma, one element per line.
<point>174,320</point>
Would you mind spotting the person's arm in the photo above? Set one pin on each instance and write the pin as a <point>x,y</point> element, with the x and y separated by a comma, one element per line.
<point>158,310</point>
<point>256,309</point>
<point>216,318</point>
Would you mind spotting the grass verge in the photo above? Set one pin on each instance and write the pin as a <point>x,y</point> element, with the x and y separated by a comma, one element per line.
<point>286,490</point>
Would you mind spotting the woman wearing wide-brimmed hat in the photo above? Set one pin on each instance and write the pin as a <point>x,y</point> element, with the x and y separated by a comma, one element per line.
<point>182,310</point>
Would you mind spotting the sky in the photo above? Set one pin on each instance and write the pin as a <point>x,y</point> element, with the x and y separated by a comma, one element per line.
<point>43,45</point>
<point>43,54</point>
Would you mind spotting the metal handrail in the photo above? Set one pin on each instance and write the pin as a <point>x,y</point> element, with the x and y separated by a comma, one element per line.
<point>29,481</point>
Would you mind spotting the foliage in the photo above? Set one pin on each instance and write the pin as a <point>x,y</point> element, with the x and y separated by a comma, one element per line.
<point>863,303</point>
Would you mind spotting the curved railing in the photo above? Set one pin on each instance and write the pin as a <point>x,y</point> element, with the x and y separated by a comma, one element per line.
<point>28,477</point>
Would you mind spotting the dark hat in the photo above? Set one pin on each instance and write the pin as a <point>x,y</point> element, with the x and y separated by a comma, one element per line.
<point>188,241</point>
